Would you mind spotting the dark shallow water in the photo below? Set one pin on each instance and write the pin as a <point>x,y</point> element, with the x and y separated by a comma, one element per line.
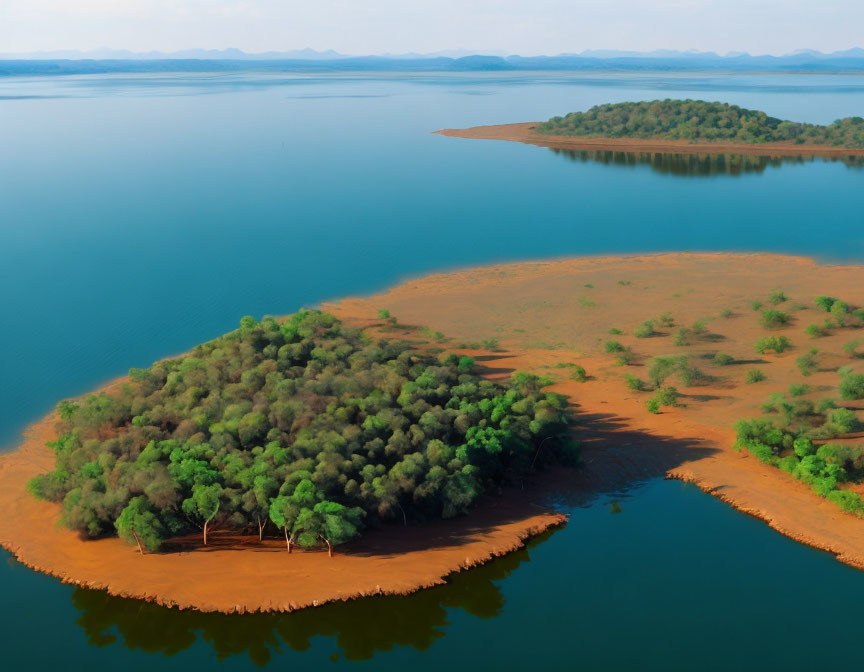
<point>141,215</point>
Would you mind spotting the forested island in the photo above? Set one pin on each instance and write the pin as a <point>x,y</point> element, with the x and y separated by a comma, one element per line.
<point>700,121</point>
<point>309,427</point>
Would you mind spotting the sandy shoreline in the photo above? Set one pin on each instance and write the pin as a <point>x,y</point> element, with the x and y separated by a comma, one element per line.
<point>543,313</point>
<point>522,132</point>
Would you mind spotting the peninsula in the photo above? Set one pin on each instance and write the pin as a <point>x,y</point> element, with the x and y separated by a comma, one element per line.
<point>680,126</point>
<point>740,373</point>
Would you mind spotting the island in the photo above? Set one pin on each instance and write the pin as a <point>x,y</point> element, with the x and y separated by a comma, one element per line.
<point>673,126</point>
<point>427,444</point>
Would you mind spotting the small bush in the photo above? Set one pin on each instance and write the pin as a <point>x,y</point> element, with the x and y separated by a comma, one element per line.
<point>815,330</point>
<point>807,363</point>
<point>825,405</point>
<point>726,313</point>
<point>625,357</point>
<point>613,346</point>
<point>666,396</point>
<point>754,376</point>
<point>625,283</point>
<point>645,330</point>
<point>578,372</point>
<point>774,319</point>
<point>491,344</point>
<point>653,406</point>
<point>798,390</point>
<point>825,303</point>
<point>859,315</point>
<point>777,297</point>
<point>635,383</point>
<point>852,386</point>
<point>700,327</point>
<point>840,312</point>
<point>383,314</point>
<point>843,420</point>
<point>722,359</point>
<point>680,338</point>
<point>666,320</point>
<point>615,332</point>
<point>776,343</point>
<point>851,348</point>
<point>756,305</point>
<point>585,302</point>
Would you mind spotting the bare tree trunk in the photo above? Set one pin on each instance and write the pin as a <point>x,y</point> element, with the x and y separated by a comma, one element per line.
<point>404,518</point>
<point>260,528</point>
<point>287,540</point>
<point>138,541</point>
<point>329,548</point>
<point>206,522</point>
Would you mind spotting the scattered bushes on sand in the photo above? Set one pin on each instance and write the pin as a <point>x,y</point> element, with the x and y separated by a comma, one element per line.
<point>306,424</point>
<point>661,368</point>
<point>777,344</point>
<point>774,319</point>
<point>754,376</point>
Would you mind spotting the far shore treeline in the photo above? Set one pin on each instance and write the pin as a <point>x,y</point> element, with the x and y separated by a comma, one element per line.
<point>700,121</point>
<point>306,424</point>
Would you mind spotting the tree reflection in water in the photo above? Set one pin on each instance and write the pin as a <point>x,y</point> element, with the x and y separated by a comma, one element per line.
<point>696,165</point>
<point>361,628</point>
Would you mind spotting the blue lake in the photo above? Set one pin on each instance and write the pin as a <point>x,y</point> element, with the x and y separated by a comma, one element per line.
<point>140,215</point>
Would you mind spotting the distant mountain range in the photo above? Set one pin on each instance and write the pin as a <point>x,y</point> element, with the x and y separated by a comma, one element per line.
<point>310,60</point>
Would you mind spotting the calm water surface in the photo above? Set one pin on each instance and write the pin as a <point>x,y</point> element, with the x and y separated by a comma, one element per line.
<point>141,215</point>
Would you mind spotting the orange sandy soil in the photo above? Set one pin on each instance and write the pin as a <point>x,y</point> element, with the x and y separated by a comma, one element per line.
<point>539,314</point>
<point>524,132</point>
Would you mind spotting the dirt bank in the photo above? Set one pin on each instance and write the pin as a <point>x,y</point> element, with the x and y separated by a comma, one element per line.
<point>524,133</point>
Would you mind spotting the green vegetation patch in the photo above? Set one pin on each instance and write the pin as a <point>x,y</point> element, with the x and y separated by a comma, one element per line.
<point>306,424</point>
<point>700,121</point>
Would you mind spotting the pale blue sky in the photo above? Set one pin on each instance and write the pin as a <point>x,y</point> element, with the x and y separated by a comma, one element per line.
<point>377,26</point>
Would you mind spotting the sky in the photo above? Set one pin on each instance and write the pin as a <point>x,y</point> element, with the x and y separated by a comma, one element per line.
<point>526,27</point>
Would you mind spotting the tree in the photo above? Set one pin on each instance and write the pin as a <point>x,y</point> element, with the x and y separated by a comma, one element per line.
<point>139,523</point>
<point>329,522</point>
<point>204,503</point>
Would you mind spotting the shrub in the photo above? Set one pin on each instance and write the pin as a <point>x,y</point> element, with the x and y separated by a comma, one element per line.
<point>851,347</point>
<point>634,383</point>
<point>803,447</point>
<point>700,327</point>
<point>777,297</point>
<point>776,343</point>
<point>798,390</point>
<point>653,406</point>
<point>578,372</point>
<point>726,313</point>
<point>615,332</point>
<point>825,405</point>
<point>756,305</point>
<point>660,368</point>
<point>774,319</point>
<point>847,501</point>
<point>645,330</point>
<point>754,376</point>
<point>843,420</point>
<point>840,311</point>
<point>859,315</point>
<point>665,396</point>
<point>383,314</point>
<point>815,330</point>
<point>807,363</point>
<point>585,302</point>
<point>852,386</point>
<point>666,320</point>
<point>825,303</point>
<point>722,359</point>
<point>625,358</point>
<point>491,344</point>
<point>613,346</point>
<point>681,337</point>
